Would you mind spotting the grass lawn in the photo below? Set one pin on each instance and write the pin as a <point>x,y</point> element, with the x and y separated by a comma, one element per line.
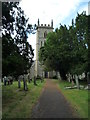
<point>77,98</point>
<point>17,103</point>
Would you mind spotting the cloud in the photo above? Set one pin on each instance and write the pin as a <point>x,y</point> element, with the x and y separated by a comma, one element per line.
<point>46,10</point>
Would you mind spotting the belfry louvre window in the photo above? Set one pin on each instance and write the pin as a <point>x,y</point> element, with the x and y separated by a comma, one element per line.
<point>45,34</point>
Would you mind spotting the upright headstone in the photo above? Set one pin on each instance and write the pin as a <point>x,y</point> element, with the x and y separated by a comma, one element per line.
<point>25,82</point>
<point>59,76</point>
<point>26,78</point>
<point>20,78</point>
<point>68,77</point>
<point>5,80</point>
<point>77,82</point>
<point>26,88</point>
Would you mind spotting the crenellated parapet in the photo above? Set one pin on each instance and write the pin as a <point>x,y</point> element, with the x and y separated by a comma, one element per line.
<point>45,25</point>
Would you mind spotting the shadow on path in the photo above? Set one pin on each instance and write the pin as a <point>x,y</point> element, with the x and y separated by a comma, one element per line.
<point>52,103</point>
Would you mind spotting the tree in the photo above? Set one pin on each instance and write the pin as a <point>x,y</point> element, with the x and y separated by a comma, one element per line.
<point>56,52</point>
<point>80,49</point>
<point>65,49</point>
<point>17,52</point>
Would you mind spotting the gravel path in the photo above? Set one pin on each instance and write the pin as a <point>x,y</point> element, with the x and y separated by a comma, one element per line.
<point>52,103</point>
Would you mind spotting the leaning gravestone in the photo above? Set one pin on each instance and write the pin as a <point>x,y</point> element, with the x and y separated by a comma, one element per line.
<point>77,82</point>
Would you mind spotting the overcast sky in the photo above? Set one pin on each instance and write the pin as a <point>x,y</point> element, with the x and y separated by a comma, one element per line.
<point>61,11</point>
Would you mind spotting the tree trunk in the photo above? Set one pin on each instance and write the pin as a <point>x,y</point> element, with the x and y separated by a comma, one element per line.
<point>19,84</point>
<point>35,81</point>
<point>63,75</point>
<point>23,83</point>
<point>85,76</point>
<point>26,88</point>
<point>28,79</point>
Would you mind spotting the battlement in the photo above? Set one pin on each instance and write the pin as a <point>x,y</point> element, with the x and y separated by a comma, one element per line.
<point>45,25</point>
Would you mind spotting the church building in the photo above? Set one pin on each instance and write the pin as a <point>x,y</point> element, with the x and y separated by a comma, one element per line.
<point>41,33</point>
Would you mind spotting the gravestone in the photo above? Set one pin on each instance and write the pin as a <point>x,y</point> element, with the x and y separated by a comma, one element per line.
<point>19,81</point>
<point>68,77</point>
<point>77,82</point>
<point>10,80</point>
<point>26,87</point>
<point>25,82</point>
<point>5,80</point>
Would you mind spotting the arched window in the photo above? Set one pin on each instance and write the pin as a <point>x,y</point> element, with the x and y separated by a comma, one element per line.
<point>45,34</point>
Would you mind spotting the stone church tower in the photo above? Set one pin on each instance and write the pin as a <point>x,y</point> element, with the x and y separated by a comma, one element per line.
<point>42,31</point>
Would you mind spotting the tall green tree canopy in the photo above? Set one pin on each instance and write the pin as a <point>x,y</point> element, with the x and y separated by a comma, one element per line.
<point>56,53</point>
<point>80,47</point>
<point>17,53</point>
<point>66,49</point>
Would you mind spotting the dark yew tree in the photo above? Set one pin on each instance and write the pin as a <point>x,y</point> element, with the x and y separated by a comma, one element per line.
<point>66,50</point>
<point>80,46</point>
<point>17,53</point>
<point>56,54</point>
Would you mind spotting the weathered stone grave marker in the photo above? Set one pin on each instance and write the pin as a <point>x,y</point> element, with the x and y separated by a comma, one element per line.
<point>77,82</point>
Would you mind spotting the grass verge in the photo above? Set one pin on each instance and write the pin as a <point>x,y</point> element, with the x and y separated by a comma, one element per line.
<point>17,103</point>
<point>77,98</point>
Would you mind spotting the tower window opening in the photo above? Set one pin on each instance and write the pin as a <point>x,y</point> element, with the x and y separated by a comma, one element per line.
<point>45,34</point>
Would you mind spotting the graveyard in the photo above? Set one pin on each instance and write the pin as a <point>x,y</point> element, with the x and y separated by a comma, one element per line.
<point>18,103</point>
<point>77,97</point>
<point>54,82</point>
